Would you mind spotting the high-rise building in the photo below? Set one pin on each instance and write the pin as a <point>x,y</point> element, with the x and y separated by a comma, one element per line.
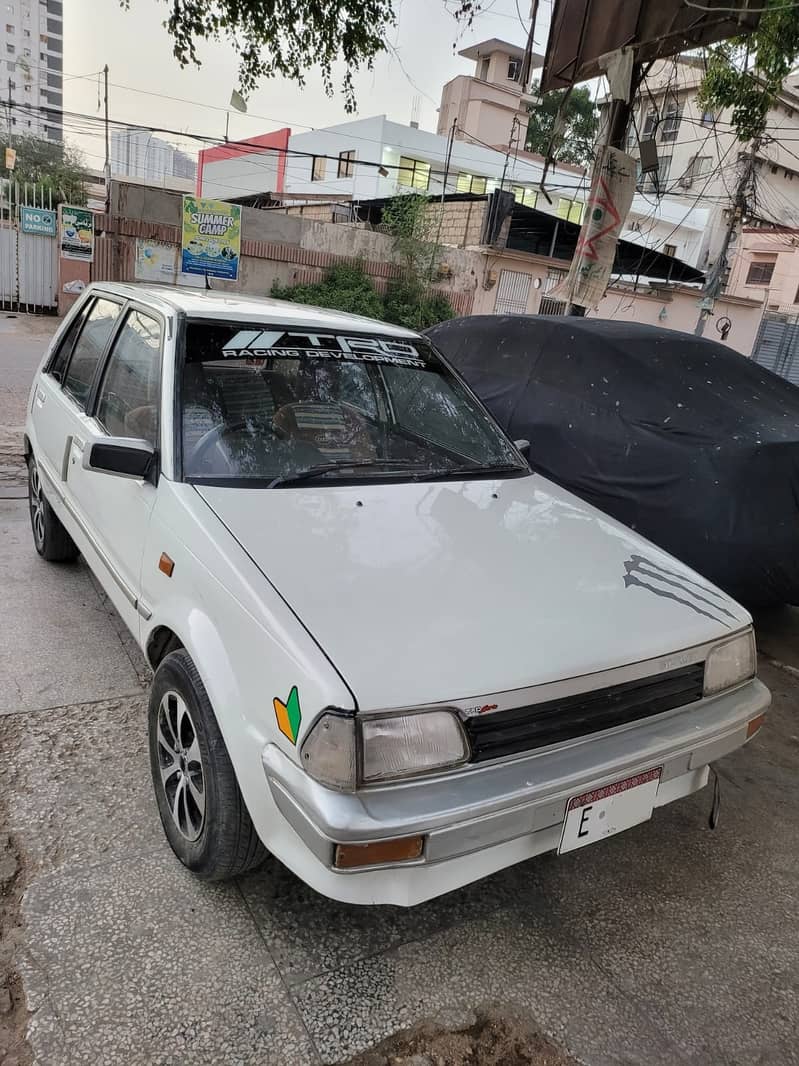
<point>139,154</point>
<point>32,68</point>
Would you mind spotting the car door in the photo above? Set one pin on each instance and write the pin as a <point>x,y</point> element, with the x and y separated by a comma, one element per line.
<point>62,388</point>
<point>116,510</point>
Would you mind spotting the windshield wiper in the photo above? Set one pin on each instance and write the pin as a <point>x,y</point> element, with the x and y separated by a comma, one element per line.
<point>338,464</point>
<point>450,472</point>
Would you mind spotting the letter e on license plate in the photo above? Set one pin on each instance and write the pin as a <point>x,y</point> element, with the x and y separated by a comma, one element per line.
<point>608,810</point>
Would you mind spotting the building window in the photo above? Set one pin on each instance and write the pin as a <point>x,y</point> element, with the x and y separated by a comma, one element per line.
<point>26,33</point>
<point>699,166</point>
<point>530,198</point>
<point>571,210</point>
<point>513,292</point>
<point>483,75</point>
<point>318,168</point>
<point>670,249</point>
<point>760,272</point>
<point>514,69</point>
<point>658,179</point>
<point>671,123</point>
<point>708,118</point>
<point>346,164</point>
<point>413,172</point>
<point>471,183</point>
<point>9,28</point>
<point>10,49</point>
<point>11,67</point>
<point>26,52</point>
<point>650,123</point>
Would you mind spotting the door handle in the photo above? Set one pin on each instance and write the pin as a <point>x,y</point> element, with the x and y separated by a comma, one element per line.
<point>78,444</point>
<point>40,397</point>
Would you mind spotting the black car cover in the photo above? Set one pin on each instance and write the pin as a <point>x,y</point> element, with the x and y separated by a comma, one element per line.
<point>680,438</point>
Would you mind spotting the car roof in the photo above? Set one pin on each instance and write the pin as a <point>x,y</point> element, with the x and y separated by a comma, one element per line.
<point>239,307</point>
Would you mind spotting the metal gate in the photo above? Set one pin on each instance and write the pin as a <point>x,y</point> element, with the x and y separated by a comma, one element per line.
<point>513,292</point>
<point>777,345</point>
<point>28,248</point>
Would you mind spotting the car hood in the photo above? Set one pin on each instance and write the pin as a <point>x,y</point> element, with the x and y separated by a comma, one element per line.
<point>427,592</point>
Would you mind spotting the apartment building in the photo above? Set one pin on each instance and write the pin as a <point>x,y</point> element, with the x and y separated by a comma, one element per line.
<point>32,67</point>
<point>700,157</point>
<point>139,154</point>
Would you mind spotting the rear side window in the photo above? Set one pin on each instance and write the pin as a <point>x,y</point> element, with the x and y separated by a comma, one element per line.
<point>61,357</point>
<point>89,348</point>
<point>128,400</point>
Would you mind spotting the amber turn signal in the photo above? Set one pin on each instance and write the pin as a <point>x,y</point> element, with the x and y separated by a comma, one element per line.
<point>348,856</point>
<point>754,725</point>
<point>165,564</point>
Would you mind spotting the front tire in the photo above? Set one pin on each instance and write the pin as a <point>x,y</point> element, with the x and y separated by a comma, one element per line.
<point>201,807</point>
<point>50,538</point>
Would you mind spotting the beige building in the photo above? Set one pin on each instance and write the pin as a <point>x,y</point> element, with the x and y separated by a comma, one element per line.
<point>766,268</point>
<point>700,156</point>
<point>489,104</point>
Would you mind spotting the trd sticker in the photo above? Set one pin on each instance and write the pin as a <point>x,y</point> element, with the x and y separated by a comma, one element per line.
<point>289,715</point>
<point>643,573</point>
<point>260,344</point>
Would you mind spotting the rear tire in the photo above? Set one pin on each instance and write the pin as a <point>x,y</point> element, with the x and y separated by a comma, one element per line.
<point>201,807</point>
<point>50,538</point>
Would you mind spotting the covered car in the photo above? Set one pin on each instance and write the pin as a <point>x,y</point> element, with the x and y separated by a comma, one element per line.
<point>689,443</point>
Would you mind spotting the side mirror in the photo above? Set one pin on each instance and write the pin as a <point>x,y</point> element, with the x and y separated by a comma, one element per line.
<point>123,456</point>
<point>524,447</point>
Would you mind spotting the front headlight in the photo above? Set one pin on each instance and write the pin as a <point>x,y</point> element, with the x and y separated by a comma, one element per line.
<point>730,663</point>
<point>345,752</point>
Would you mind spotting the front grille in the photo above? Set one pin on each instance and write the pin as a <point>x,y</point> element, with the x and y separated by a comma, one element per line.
<point>526,728</point>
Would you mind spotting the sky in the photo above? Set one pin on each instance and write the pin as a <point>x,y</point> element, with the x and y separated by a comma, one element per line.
<point>138,52</point>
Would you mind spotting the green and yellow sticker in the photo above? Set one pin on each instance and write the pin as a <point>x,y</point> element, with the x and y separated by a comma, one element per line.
<point>289,715</point>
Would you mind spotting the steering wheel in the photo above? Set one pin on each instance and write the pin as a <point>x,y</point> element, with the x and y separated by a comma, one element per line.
<point>224,429</point>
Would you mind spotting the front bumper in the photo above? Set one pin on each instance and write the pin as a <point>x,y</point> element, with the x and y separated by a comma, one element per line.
<point>519,802</point>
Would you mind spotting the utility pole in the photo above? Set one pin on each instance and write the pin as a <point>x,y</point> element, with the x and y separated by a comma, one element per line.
<point>618,122</point>
<point>715,276</point>
<point>9,113</point>
<point>107,168</point>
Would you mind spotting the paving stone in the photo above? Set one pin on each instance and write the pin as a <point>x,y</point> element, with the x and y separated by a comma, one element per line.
<point>137,961</point>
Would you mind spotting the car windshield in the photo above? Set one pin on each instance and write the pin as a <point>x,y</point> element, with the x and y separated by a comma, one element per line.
<point>279,406</point>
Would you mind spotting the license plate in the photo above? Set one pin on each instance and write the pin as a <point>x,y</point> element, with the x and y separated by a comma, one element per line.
<point>609,810</point>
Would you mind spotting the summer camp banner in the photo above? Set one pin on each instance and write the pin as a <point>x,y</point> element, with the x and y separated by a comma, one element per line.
<point>211,242</point>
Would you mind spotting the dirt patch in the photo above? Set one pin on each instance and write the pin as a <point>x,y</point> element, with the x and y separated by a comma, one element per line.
<point>490,1036</point>
<point>13,1009</point>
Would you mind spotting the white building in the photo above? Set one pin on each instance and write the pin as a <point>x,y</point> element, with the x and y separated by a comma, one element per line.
<point>373,158</point>
<point>32,67</point>
<point>139,154</point>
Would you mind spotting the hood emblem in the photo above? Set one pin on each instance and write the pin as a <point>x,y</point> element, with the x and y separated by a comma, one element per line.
<point>641,572</point>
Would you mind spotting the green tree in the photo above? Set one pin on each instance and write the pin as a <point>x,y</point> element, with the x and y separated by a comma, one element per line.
<point>283,37</point>
<point>572,140</point>
<point>59,168</point>
<point>747,73</point>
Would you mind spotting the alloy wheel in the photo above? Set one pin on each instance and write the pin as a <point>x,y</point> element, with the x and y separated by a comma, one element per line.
<point>181,765</point>
<point>36,504</point>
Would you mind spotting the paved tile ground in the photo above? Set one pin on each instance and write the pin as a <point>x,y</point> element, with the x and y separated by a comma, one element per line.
<point>667,944</point>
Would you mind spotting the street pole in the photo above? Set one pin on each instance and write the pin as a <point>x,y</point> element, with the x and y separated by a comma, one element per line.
<point>715,277</point>
<point>618,121</point>
<point>107,167</point>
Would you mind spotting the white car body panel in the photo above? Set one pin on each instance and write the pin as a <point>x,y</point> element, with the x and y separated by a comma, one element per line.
<point>392,595</point>
<point>458,589</point>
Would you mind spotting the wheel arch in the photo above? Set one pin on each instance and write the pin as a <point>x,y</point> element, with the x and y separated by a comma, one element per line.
<point>160,643</point>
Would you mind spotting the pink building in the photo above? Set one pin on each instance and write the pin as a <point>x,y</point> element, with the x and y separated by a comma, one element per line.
<point>766,268</point>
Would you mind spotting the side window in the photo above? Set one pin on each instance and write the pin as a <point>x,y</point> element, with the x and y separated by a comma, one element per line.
<point>61,356</point>
<point>127,405</point>
<point>89,348</point>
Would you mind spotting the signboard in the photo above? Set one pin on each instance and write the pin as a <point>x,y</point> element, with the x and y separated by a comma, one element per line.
<point>11,158</point>
<point>77,233</point>
<point>155,261</point>
<point>612,190</point>
<point>211,243</point>
<point>38,220</point>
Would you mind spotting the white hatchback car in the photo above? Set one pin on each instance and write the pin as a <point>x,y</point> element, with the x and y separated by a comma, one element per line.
<point>384,649</point>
